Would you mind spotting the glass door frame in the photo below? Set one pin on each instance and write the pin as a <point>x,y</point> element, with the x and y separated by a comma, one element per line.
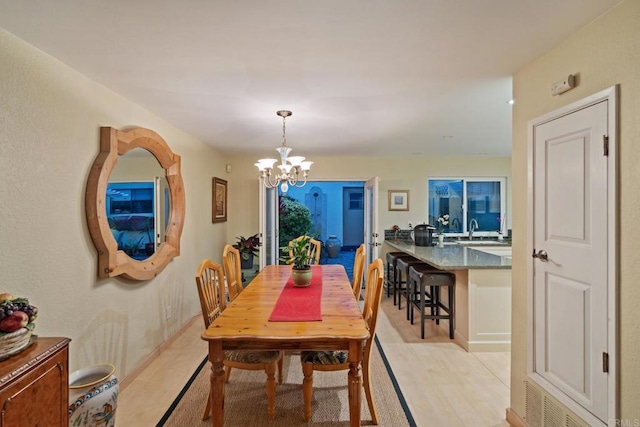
<point>269,225</point>
<point>269,219</point>
<point>371,209</point>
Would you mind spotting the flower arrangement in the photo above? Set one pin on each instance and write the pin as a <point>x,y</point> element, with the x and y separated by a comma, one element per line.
<point>396,230</point>
<point>443,221</point>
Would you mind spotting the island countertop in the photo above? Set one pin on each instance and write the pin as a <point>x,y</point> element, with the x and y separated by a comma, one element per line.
<point>453,256</point>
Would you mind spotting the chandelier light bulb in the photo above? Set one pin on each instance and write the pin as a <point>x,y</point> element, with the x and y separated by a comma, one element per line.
<point>293,170</point>
<point>296,160</point>
<point>264,164</point>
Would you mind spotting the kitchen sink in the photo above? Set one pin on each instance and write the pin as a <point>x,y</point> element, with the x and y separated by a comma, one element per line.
<point>481,243</point>
<point>505,252</point>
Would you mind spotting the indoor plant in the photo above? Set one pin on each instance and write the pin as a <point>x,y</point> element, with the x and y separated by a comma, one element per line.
<point>298,257</point>
<point>248,248</point>
<point>443,221</point>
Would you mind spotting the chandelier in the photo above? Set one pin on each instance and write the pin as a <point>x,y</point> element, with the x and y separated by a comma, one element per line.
<point>293,170</point>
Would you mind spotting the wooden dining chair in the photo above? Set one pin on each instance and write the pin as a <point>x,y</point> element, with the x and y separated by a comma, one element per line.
<point>231,261</point>
<point>358,271</point>
<point>211,290</point>
<point>339,360</point>
<point>313,249</point>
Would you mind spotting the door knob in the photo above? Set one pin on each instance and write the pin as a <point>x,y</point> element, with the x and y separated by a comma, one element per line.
<point>541,255</point>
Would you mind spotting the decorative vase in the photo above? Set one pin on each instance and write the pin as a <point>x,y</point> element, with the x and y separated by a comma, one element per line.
<point>440,239</point>
<point>93,395</point>
<point>333,246</point>
<point>301,278</point>
<point>246,263</point>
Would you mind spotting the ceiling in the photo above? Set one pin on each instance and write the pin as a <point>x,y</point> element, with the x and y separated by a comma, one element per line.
<point>378,77</point>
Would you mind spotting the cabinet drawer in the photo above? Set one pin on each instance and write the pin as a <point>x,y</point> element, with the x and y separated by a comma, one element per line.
<point>38,396</point>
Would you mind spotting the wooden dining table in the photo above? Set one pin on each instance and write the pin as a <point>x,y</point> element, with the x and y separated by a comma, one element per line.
<point>244,325</point>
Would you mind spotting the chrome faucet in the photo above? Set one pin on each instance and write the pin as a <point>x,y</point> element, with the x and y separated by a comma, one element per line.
<point>455,223</point>
<point>473,226</point>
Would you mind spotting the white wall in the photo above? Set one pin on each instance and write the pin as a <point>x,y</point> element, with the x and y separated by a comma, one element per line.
<point>605,53</point>
<point>49,131</point>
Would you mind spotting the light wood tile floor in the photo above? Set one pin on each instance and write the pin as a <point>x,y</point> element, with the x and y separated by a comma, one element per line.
<point>442,383</point>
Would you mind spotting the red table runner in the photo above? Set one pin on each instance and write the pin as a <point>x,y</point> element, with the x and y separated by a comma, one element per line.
<point>300,304</point>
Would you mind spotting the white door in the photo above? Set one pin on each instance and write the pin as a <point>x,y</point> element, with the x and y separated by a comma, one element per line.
<point>269,252</point>
<point>371,238</point>
<point>570,255</point>
<point>352,216</point>
<point>162,207</point>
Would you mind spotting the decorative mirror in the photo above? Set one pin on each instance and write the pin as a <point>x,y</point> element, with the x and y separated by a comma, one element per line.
<point>138,204</point>
<point>135,221</point>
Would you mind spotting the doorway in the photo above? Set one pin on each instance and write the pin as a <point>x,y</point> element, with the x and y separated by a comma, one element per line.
<point>572,271</point>
<point>336,209</point>
<point>352,217</point>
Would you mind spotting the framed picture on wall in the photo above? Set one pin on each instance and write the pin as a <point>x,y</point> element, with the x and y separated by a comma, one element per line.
<point>219,208</point>
<point>398,200</point>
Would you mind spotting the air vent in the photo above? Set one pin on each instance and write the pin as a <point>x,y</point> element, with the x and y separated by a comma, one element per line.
<point>553,415</point>
<point>571,422</point>
<point>533,402</point>
<point>543,410</point>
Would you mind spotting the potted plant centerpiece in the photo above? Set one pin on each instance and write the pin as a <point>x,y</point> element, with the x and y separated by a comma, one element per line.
<point>248,248</point>
<point>298,257</point>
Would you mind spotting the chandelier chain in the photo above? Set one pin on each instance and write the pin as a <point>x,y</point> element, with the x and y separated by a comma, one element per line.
<point>284,131</point>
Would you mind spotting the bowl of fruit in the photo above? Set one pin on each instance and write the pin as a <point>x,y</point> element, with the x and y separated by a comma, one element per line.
<point>16,325</point>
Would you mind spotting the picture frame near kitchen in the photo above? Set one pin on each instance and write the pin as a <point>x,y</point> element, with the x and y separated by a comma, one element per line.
<point>398,200</point>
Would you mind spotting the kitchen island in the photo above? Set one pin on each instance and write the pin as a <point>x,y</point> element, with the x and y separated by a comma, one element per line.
<point>483,288</point>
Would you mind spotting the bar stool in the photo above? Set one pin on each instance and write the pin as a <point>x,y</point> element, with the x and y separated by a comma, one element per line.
<point>395,280</point>
<point>402,278</point>
<point>389,279</point>
<point>433,280</point>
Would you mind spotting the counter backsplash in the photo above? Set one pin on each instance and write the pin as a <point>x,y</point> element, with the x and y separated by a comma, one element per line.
<point>405,235</point>
<point>400,234</point>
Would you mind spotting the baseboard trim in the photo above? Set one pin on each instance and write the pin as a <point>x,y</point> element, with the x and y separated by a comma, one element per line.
<point>461,340</point>
<point>488,346</point>
<point>514,419</point>
<point>155,353</point>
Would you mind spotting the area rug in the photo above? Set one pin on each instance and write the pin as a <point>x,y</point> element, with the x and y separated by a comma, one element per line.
<point>246,403</point>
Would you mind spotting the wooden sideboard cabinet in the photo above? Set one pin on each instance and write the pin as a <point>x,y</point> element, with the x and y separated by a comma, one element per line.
<point>34,385</point>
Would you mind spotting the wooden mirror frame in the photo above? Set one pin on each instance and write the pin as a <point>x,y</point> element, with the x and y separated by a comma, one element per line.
<point>111,261</point>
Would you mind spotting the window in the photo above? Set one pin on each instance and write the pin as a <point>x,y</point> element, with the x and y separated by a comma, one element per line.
<point>468,199</point>
<point>129,198</point>
<point>356,201</point>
